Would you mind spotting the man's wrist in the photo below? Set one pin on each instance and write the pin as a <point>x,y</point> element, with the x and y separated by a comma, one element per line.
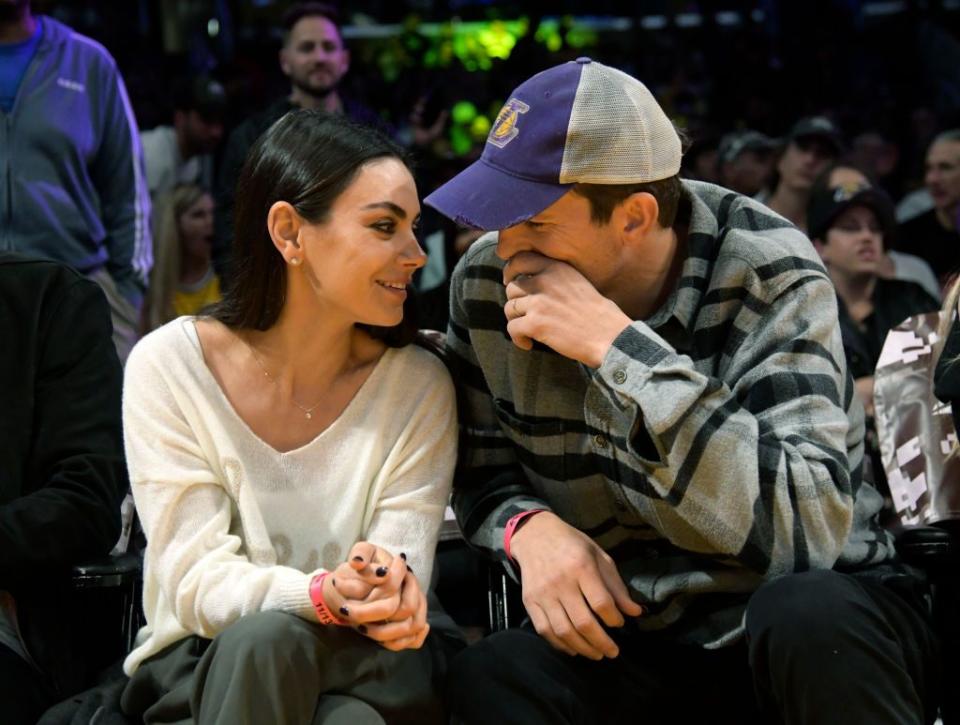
<point>513,527</point>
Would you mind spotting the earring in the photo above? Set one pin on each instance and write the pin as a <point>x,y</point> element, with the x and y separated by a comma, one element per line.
<point>294,261</point>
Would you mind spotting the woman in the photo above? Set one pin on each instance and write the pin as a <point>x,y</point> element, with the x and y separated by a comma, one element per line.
<point>291,456</point>
<point>182,281</point>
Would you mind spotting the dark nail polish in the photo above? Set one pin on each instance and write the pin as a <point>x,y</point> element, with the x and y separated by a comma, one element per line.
<point>358,558</point>
<point>344,611</point>
<point>381,571</point>
<point>409,568</point>
<point>334,582</point>
<point>403,556</point>
<point>362,628</point>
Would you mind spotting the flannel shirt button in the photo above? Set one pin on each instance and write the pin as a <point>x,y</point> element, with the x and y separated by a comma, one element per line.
<point>600,441</point>
<point>619,377</point>
<point>619,505</point>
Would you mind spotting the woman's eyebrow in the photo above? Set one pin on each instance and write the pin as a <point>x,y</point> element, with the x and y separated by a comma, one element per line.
<point>388,205</point>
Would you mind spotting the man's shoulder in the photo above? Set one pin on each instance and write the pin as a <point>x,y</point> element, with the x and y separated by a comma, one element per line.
<point>91,51</point>
<point>733,231</point>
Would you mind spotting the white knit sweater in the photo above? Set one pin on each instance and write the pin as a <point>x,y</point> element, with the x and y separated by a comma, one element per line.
<point>234,526</point>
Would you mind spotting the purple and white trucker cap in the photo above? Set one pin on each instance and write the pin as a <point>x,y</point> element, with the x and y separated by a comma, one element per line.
<point>580,122</point>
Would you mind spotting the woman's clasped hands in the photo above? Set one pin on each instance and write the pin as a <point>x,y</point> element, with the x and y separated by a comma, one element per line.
<point>378,594</point>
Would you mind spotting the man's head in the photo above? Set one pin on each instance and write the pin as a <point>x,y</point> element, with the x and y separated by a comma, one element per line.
<point>943,172</point>
<point>812,144</point>
<point>199,106</point>
<point>848,221</point>
<point>580,123</point>
<point>581,166</point>
<point>745,161</point>
<point>313,56</point>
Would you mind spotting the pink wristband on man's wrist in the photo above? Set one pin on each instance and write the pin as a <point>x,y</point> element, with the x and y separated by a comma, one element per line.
<point>324,615</point>
<point>511,528</point>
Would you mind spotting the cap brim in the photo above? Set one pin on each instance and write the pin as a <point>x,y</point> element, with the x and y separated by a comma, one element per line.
<point>483,197</point>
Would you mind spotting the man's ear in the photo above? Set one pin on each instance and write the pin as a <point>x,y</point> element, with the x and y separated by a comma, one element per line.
<point>821,249</point>
<point>282,58</point>
<point>283,224</point>
<point>638,214</point>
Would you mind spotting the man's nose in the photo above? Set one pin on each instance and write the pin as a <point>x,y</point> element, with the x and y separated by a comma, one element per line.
<point>509,243</point>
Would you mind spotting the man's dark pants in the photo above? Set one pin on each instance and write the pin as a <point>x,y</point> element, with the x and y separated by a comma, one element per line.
<point>821,647</point>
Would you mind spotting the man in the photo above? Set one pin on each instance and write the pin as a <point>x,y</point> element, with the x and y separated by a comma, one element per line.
<point>62,476</point>
<point>812,144</point>
<point>71,167</point>
<point>745,161</point>
<point>183,153</point>
<point>660,436</point>
<point>935,234</point>
<point>314,58</point>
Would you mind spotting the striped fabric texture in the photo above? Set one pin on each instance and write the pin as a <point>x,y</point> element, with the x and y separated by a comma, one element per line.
<point>719,444</point>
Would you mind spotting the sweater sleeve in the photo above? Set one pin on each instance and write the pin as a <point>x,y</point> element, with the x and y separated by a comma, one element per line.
<point>409,511</point>
<point>193,554</point>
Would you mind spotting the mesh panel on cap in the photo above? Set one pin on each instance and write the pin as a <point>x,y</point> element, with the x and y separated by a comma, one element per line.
<point>618,134</point>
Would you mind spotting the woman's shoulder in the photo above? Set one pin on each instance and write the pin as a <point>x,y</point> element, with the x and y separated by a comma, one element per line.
<point>174,342</point>
<point>416,372</point>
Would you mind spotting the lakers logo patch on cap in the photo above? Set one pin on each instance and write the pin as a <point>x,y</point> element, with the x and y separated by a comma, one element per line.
<point>505,127</point>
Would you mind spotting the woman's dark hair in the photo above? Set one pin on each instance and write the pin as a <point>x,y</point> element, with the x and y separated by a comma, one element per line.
<point>307,158</point>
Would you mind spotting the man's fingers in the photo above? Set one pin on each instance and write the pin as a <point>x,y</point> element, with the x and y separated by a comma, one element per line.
<point>515,328</point>
<point>565,630</point>
<point>587,626</point>
<point>528,263</point>
<point>542,625</point>
<point>601,601</point>
<point>616,587</point>
<point>413,642</point>
<point>350,588</point>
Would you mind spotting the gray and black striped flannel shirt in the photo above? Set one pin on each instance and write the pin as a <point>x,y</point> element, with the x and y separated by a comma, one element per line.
<point>718,445</point>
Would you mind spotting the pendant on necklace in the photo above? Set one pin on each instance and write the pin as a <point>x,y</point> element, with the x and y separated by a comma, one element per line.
<point>308,415</point>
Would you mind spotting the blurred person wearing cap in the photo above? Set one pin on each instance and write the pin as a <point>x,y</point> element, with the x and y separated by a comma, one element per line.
<point>745,162</point>
<point>183,153</point>
<point>849,221</point>
<point>892,264</point>
<point>935,234</point>
<point>315,59</point>
<point>660,439</point>
<point>812,144</point>
<point>72,185</point>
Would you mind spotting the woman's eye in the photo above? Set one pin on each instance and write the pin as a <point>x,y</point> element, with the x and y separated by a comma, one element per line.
<point>385,227</point>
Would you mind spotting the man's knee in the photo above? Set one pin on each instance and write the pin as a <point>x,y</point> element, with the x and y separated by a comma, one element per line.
<point>498,661</point>
<point>803,611</point>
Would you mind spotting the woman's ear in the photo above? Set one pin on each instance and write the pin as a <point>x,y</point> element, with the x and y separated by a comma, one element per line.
<point>638,214</point>
<point>283,224</point>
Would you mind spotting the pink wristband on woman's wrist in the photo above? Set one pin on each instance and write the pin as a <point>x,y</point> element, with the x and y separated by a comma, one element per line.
<point>511,528</point>
<point>324,615</point>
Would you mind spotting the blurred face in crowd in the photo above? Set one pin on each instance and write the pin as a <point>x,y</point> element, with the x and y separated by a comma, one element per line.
<point>196,228</point>
<point>803,160</point>
<point>199,135</point>
<point>854,243</point>
<point>749,172</point>
<point>943,175</point>
<point>847,176</point>
<point>314,57</point>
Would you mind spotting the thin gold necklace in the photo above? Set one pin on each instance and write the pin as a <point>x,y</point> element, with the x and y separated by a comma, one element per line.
<point>308,412</point>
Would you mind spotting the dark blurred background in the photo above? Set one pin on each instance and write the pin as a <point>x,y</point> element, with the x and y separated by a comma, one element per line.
<point>886,67</point>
